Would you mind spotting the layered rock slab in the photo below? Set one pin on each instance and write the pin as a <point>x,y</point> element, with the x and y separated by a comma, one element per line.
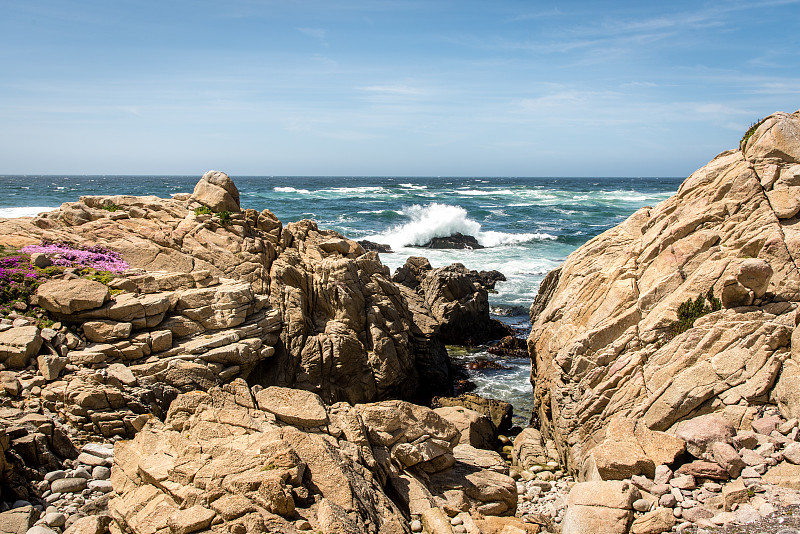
<point>598,357</point>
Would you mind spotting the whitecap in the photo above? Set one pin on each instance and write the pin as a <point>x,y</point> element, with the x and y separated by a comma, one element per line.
<point>23,211</point>
<point>483,192</point>
<point>281,189</point>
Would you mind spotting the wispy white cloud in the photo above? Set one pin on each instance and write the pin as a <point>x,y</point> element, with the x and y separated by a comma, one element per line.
<point>316,33</point>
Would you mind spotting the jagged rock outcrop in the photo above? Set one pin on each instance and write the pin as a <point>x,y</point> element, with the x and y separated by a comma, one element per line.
<point>228,460</point>
<point>604,340</point>
<point>348,332</point>
<point>458,303</point>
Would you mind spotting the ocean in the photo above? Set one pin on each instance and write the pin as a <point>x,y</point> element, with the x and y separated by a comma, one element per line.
<point>528,226</point>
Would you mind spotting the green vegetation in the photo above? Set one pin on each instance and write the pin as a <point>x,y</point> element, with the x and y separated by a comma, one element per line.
<point>224,218</point>
<point>691,310</point>
<point>749,133</point>
<point>110,207</point>
<point>203,210</point>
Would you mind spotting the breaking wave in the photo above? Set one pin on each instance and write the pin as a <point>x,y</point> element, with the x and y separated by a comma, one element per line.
<point>442,220</point>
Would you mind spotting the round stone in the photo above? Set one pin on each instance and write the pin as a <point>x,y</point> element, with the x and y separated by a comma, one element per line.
<point>641,505</point>
<point>416,526</point>
<point>101,473</point>
<point>55,519</point>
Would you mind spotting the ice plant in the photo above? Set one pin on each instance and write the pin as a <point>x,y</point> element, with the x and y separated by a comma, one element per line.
<point>97,258</point>
<point>18,278</point>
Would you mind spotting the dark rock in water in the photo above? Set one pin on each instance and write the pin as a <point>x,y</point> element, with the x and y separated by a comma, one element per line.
<point>510,346</point>
<point>487,279</point>
<point>371,246</point>
<point>458,304</point>
<point>457,240</point>
<point>479,365</point>
<point>498,411</point>
<point>463,386</point>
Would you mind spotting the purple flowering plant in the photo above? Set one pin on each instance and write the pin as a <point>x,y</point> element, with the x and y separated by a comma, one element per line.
<point>19,278</point>
<point>65,255</point>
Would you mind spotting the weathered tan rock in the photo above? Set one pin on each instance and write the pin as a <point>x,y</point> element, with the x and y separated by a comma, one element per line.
<point>218,443</point>
<point>777,137</point>
<point>294,406</point>
<point>786,394</point>
<point>18,520</point>
<point>91,524</point>
<point>104,331</point>
<point>601,340</point>
<point>217,191</point>
<point>599,507</point>
<point>727,457</point>
<point>476,429</point>
<point>18,345</point>
<point>702,432</point>
<point>755,274</point>
<point>50,366</point>
<point>529,449</point>
<point>498,411</point>
<point>654,522</point>
<point>784,474</point>
<point>70,296</point>
<point>734,493</point>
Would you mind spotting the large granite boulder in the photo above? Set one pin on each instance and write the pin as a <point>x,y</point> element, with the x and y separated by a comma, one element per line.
<point>612,333</point>
<point>217,191</point>
<point>70,296</point>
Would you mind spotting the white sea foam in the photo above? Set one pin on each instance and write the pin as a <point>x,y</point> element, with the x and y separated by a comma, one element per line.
<point>291,190</point>
<point>483,192</point>
<point>442,220</point>
<point>413,186</point>
<point>23,211</point>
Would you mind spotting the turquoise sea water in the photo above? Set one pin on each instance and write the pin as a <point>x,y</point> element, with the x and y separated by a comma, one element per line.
<point>528,226</point>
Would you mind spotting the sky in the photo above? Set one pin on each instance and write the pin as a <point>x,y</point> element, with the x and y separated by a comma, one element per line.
<point>388,87</point>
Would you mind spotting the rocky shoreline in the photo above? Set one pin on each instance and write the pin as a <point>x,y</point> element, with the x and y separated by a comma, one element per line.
<point>183,365</point>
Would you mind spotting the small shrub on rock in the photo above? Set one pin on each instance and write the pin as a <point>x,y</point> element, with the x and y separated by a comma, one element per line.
<point>691,310</point>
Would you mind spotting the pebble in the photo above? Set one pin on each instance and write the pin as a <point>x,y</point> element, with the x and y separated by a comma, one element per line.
<point>82,472</point>
<point>103,486</point>
<point>90,459</point>
<point>68,485</point>
<point>55,475</point>
<point>101,473</point>
<point>641,505</point>
<point>416,526</point>
<point>55,519</point>
<point>302,524</point>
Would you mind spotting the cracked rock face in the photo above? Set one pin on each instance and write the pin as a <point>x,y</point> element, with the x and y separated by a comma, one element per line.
<point>731,228</point>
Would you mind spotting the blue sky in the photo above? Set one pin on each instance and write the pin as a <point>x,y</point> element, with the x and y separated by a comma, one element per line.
<point>425,88</point>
